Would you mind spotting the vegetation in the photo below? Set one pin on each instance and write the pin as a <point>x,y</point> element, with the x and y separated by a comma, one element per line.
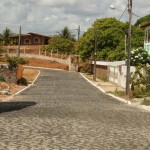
<point>66,33</point>
<point>110,39</point>
<point>63,43</point>
<point>5,36</point>
<point>2,79</point>
<point>14,61</point>
<point>142,20</point>
<point>139,57</point>
<point>140,83</point>
<point>145,102</point>
<point>22,81</point>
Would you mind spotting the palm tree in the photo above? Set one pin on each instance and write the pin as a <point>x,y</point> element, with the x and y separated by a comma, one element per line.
<point>66,33</point>
<point>5,36</point>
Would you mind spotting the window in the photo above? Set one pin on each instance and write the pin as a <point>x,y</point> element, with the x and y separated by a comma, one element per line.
<point>27,41</point>
<point>147,36</point>
<point>36,40</point>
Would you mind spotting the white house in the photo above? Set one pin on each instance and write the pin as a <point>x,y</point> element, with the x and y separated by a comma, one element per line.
<point>146,27</point>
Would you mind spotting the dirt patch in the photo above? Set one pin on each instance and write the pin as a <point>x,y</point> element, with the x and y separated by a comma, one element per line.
<point>46,63</point>
<point>29,74</point>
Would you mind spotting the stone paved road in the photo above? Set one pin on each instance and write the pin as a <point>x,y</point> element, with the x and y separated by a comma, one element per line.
<point>62,111</point>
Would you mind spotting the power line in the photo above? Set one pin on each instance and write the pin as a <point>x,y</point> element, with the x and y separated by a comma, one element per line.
<point>123,13</point>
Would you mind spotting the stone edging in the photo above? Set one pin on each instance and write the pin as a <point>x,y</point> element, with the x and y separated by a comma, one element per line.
<point>117,98</point>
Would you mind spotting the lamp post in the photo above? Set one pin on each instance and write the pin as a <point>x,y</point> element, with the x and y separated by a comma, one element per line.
<point>128,46</point>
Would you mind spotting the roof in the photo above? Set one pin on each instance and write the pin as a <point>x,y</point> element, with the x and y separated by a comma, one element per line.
<point>17,35</point>
<point>145,25</point>
<point>108,63</point>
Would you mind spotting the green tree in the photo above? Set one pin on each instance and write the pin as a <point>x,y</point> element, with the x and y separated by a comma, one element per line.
<point>110,39</point>
<point>62,45</point>
<point>142,20</point>
<point>66,33</point>
<point>5,36</point>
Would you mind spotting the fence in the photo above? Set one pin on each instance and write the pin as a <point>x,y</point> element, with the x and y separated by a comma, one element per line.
<point>36,51</point>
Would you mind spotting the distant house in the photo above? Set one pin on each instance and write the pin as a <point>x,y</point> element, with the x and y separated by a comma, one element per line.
<point>30,39</point>
<point>146,27</point>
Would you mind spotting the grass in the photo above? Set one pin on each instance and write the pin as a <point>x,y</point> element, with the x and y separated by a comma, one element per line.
<point>145,102</point>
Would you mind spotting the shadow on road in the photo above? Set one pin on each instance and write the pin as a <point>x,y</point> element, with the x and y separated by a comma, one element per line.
<point>13,106</point>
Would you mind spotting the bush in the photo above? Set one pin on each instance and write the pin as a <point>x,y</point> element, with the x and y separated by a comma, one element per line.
<point>22,81</point>
<point>140,84</point>
<point>85,69</point>
<point>2,79</point>
<point>14,61</point>
<point>139,56</point>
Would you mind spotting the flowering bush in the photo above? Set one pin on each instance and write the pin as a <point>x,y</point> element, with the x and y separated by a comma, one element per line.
<point>139,57</point>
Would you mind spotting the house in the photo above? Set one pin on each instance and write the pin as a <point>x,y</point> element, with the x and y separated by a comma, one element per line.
<point>30,39</point>
<point>146,27</point>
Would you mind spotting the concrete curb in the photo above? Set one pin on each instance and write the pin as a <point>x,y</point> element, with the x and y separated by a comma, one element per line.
<point>118,98</point>
<point>22,89</point>
<point>143,107</point>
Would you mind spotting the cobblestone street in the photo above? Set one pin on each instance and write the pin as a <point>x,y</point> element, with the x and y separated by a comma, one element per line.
<point>62,111</point>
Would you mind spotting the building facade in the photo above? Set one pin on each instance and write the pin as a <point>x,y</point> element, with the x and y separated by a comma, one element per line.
<point>30,39</point>
<point>146,27</point>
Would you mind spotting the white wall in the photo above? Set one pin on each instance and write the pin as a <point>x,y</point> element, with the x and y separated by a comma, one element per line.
<point>117,74</point>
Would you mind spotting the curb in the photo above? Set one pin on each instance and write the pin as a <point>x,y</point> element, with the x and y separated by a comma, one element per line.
<point>23,88</point>
<point>98,87</point>
<point>143,107</point>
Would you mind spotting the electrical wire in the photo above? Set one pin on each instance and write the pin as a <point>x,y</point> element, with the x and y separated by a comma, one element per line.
<point>123,12</point>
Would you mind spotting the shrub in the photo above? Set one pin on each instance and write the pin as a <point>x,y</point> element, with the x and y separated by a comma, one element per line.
<point>22,81</point>
<point>139,56</point>
<point>140,84</point>
<point>2,79</point>
<point>14,61</point>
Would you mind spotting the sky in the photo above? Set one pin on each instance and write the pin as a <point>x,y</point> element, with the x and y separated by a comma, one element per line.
<point>51,16</point>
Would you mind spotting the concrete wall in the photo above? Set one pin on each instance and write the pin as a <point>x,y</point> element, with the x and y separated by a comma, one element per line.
<point>117,74</point>
<point>68,61</point>
<point>113,71</point>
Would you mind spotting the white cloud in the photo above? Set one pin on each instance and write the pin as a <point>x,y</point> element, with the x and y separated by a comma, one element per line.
<point>49,16</point>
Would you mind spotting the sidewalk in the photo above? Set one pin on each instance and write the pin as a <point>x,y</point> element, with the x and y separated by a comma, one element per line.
<point>111,88</point>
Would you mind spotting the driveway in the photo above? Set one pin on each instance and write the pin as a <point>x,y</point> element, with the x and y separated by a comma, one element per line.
<point>62,111</point>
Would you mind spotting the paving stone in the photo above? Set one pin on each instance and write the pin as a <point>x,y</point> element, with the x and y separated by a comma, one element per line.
<point>62,111</point>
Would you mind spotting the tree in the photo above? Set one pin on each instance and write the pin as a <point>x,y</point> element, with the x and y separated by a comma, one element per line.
<point>142,20</point>
<point>5,36</point>
<point>66,33</point>
<point>110,39</point>
<point>62,45</point>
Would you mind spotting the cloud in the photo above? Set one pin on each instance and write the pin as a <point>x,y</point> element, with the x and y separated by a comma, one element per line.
<point>49,16</point>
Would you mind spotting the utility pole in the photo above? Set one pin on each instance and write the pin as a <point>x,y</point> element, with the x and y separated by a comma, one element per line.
<point>129,49</point>
<point>19,42</point>
<point>95,50</point>
<point>78,32</point>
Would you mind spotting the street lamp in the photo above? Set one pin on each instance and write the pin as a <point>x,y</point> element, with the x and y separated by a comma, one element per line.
<point>114,8</point>
<point>129,45</point>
